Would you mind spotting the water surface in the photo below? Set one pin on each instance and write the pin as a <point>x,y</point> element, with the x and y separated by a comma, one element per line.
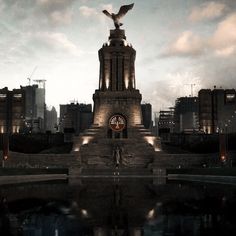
<point>121,207</point>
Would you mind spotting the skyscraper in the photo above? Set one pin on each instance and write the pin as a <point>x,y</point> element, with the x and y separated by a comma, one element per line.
<point>35,107</point>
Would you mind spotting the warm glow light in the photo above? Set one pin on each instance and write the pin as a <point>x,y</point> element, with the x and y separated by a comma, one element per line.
<point>150,140</point>
<point>84,213</point>
<point>207,129</point>
<point>76,149</point>
<point>100,84</point>
<point>2,130</point>
<point>151,214</point>
<point>223,158</point>
<point>15,129</point>
<point>86,140</point>
<point>5,157</point>
<point>126,81</point>
<point>107,83</point>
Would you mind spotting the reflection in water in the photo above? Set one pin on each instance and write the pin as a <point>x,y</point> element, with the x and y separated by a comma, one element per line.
<point>116,207</point>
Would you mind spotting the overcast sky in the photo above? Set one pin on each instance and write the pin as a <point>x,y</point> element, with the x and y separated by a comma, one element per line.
<point>178,43</point>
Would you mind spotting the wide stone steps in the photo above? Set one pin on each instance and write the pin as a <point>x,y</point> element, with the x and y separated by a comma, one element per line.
<point>116,172</point>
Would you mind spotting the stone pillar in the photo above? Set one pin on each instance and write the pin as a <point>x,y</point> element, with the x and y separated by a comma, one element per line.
<point>120,72</point>
<point>113,72</point>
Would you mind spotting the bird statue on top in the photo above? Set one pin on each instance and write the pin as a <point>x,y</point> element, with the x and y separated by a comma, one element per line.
<point>116,17</point>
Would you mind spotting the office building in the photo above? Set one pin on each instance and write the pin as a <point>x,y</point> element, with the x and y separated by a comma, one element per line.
<point>12,111</point>
<point>217,110</point>
<point>186,115</point>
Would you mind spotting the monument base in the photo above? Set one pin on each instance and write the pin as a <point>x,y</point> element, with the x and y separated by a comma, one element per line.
<point>137,151</point>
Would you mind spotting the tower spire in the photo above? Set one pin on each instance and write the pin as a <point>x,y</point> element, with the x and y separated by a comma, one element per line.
<point>117,59</point>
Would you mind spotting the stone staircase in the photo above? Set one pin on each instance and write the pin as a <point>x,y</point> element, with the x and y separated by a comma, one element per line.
<point>96,151</point>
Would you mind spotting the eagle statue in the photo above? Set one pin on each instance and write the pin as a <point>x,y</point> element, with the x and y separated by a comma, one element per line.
<point>116,17</point>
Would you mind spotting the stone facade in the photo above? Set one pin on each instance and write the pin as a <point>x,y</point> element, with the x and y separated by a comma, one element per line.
<point>117,92</point>
<point>101,146</point>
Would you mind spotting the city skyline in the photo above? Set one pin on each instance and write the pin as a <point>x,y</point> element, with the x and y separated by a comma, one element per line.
<point>193,44</point>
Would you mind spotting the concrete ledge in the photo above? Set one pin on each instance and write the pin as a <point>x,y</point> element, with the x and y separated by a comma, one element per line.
<point>30,178</point>
<point>204,178</point>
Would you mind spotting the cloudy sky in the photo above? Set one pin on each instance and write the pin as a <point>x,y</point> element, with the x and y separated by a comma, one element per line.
<point>178,43</point>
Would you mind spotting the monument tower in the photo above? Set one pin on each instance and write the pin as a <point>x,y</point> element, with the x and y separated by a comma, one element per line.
<point>117,136</point>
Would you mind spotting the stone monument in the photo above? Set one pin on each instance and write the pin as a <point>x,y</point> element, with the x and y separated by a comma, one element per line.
<point>117,136</point>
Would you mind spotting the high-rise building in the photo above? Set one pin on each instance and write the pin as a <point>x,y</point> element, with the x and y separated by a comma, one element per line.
<point>35,107</point>
<point>75,118</point>
<point>147,115</point>
<point>51,120</point>
<point>205,111</point>
<point>12,110</point>
<point>165,124</point>
<point>217,110</point>
<point>186,114</point>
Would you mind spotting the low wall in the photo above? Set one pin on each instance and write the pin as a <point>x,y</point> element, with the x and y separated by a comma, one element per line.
<point>16,160</point>
<point>185,160</point>
<point>161,160</point>
<point>204,178</point>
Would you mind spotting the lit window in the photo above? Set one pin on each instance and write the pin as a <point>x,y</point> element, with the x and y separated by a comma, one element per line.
<point>19,95</point>
<point>230,97</point>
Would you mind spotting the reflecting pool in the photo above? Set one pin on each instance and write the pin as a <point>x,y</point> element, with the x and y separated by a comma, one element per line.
<point>119,207</point>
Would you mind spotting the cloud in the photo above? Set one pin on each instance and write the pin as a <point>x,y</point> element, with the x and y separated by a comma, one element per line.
<point>45,12</point>
<point>223,40</point>
<point>55,41</point>
<point>107,7</point>
<point>61,17</point>
<point>96,13</point>
<point>221,43</point>
<point>2,6</point>
<point>56,11</point>
<point>88,11</point>
<point>207,11</point>
<point>52,5</point>
<point>187,44</point>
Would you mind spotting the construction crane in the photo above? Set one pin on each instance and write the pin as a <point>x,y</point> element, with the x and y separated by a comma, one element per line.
<point>41,82</point>
<point>192,85</point>
<point>32,73</point>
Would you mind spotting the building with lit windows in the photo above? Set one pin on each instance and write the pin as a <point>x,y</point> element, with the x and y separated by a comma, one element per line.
<point>217,110</point>
<point>165,124</point>
<point>35,107</point>
<point>12,110</point>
